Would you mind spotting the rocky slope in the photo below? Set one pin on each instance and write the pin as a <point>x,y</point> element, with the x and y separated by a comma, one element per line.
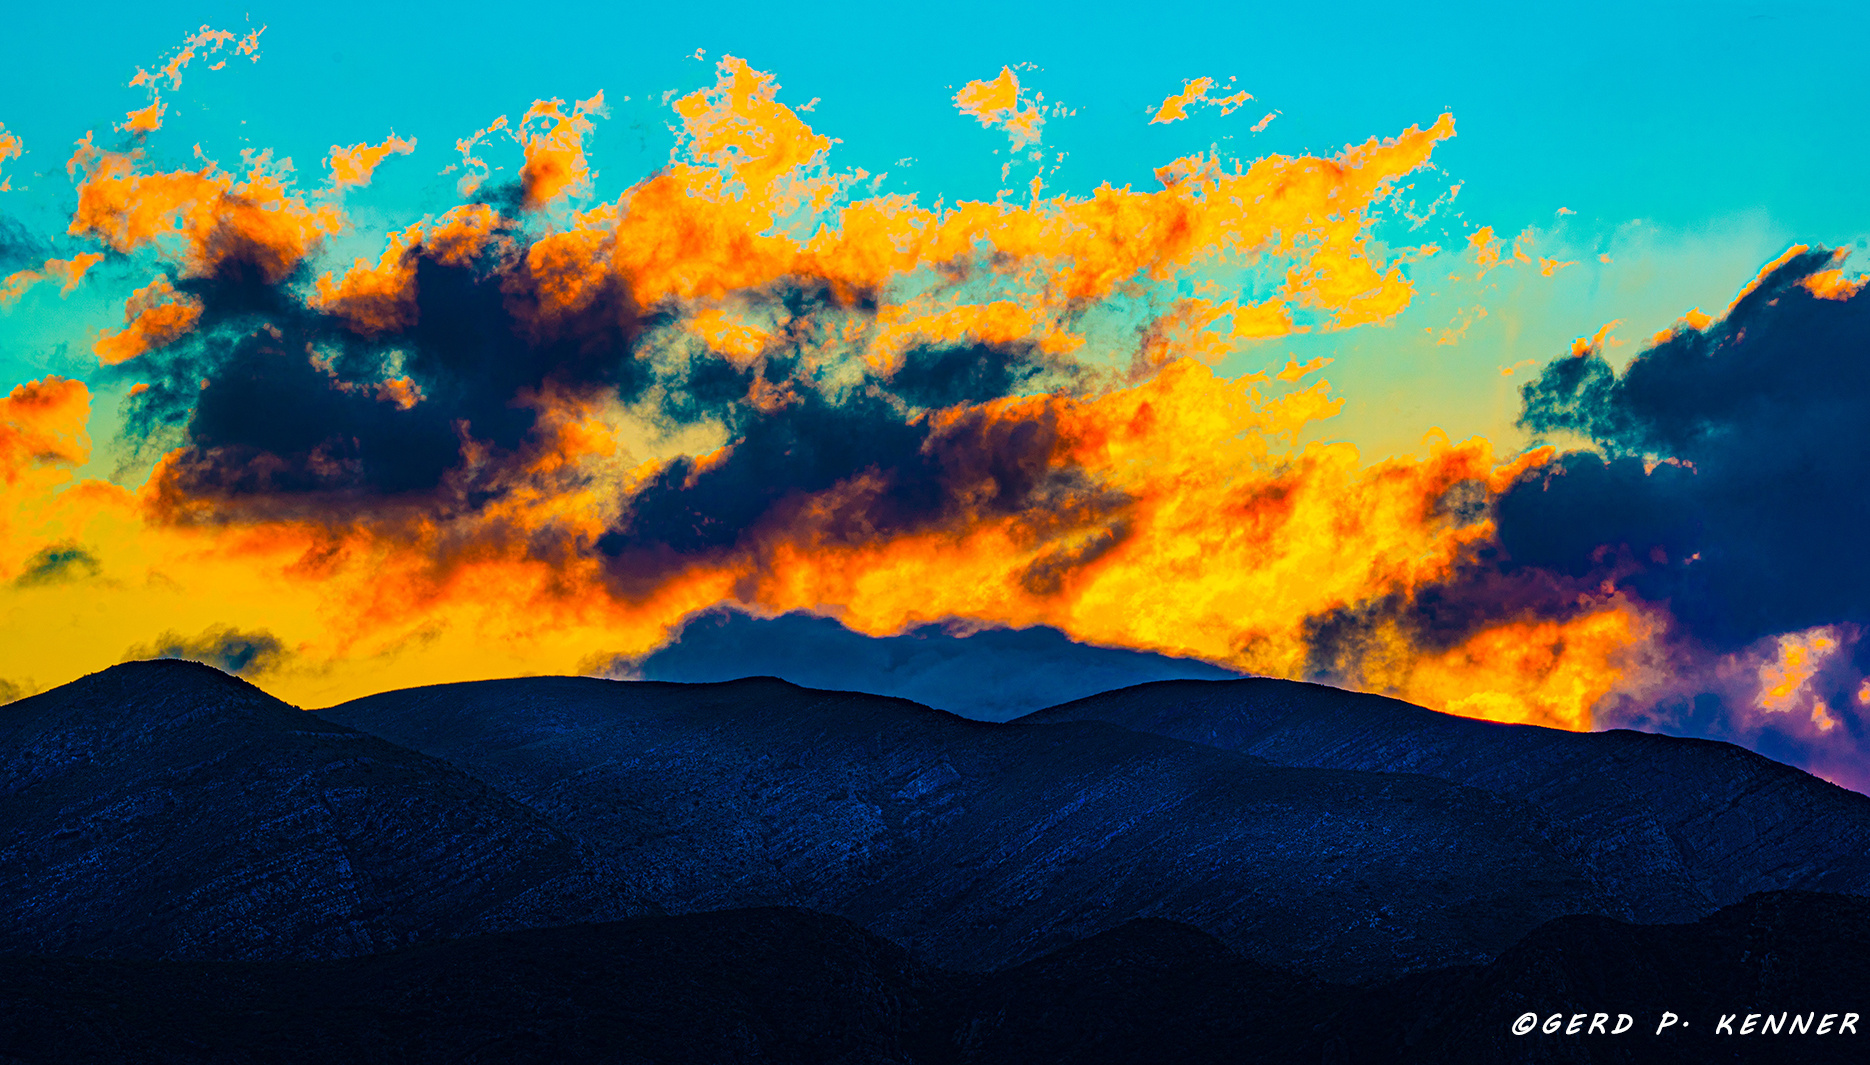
<point>167,810</point>
<point>1672,828</point>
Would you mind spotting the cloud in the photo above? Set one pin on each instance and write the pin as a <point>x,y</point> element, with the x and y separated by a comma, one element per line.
<point>1729,471</point>
<point>743,383</point>
<point>530,431</point>
<point>1195,92</point>
<point>1002,103</point>
<point>201,44</point>
<point>989,674</point>
<point>353,167</point>
<point>11,147</point>
<point>56,563</point>
<point>1697,569</point>
<point>243,653</point>
<point>490,393</point>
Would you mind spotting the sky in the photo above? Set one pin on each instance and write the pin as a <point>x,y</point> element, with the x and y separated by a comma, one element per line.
<point>1503,361</point>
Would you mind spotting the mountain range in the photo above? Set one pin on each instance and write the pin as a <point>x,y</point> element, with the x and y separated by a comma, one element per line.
<point>1337,873</point>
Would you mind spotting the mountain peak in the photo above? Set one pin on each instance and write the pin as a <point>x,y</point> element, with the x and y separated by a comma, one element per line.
<point>166,809</point>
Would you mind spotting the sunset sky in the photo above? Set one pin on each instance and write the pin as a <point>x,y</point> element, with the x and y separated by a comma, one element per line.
<point>1509,363</point>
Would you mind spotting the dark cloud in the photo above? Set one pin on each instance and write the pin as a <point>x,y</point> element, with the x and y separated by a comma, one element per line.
<point>282,415</point>
<point>1730,470</point>
<point>244,653</point>
<point>1724,484</point>
<point>272,428</point>
<point>967,373</point>
<point>269,424</point>
<point>991,674</point>
<point>64,561</point>
<point>901,473</point>
<point>1723,489</point>
<point>11,692</point>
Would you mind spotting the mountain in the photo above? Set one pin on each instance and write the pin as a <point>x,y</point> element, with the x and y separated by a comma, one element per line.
<point>166,810</point>
<point>982,845</point>
<point>1672,828</point>
<point>760,985</point>
<point>780,985</point>
<point>1780,954</point>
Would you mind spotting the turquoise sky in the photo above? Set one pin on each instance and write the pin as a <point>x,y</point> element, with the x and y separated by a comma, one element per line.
<point>1692,141</point>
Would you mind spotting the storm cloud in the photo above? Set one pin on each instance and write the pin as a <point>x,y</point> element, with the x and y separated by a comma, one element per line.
<point>1730,470</point>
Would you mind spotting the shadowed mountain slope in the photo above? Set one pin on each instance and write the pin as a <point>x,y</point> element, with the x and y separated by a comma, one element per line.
<point>791,986</point>
<point>165,809</point>
<point>1780,954</point>
<point>1673,827</point>
<point>981,845</point>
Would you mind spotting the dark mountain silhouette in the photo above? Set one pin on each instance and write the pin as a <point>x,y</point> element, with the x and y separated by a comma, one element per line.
<point>982,845</point>
<point>791,986</point>
<point>1775,953</point>
<point>1673,828</point>
<point>165,809</point>
<point>1156,886</point>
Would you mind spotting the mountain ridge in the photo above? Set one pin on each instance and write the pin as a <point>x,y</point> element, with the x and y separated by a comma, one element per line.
<point>1355,837</point>
<point>1694,818</point>
<point>983,843</point>
<point>165,809</point>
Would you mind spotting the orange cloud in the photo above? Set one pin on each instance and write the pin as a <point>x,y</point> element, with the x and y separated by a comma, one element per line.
<point>1120,490</point>
<point>554,145</point>
<point>552,141</point>
<point>1000,103</point>
<point>1195,92</point>
<point>200,219</point>
<point>10,148</point>
<point>1488,254</point>
<point>706,226</point>
<point>1596,341</point>
<point>1783,680</point>
<point>351,167</point>
<point>1833,285</point>
<point>1228,539</point>
<point>203,42</point>
<point>380,297</point>
<point>145,119</point>
<point>69,272</point>
<point>1532,672</point>
<point>154,316</point>
<point>729,336</point>
<point>42,435</point>
<point>42,422</point>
